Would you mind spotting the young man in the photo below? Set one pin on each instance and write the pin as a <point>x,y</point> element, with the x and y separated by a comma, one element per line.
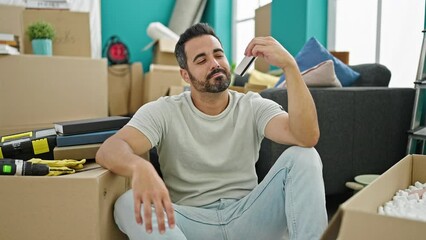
<point>208,141</point>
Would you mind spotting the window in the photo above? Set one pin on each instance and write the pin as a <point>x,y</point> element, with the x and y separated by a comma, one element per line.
<point>244,25</point>
<point>383,31</point>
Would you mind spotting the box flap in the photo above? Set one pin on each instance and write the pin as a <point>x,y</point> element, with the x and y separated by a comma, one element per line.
<point>419,169</point>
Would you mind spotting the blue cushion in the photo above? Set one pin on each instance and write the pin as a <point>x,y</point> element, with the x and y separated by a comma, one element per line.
<point>314,53</point>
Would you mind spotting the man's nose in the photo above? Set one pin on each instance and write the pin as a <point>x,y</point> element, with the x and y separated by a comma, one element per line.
<point>215,64</point>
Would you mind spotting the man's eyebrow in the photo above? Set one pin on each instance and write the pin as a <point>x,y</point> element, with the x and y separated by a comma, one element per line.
<point>203,54</point>
<point>198,56</point>
<point>218,50</point>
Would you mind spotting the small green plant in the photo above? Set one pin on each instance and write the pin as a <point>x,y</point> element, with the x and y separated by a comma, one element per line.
<point>41,30</point>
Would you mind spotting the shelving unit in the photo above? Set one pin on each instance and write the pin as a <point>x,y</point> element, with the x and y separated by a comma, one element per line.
<point>417,133</point>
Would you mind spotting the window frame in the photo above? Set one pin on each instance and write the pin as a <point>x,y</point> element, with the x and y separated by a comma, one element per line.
<point>235,22</point>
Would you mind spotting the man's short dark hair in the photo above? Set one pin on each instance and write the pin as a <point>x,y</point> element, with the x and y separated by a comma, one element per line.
<point>196,30</point>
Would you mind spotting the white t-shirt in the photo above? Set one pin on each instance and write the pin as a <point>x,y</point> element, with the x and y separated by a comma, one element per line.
<point>204,158</point>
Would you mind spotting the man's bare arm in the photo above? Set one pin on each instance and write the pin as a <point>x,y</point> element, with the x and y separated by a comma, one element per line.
<point>300,125</point>
<point>121,154</point>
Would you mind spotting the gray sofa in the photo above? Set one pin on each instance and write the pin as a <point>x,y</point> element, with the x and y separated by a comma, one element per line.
<point>363,127</point>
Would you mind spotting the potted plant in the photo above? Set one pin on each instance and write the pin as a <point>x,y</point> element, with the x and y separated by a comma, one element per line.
<point>41,35</point>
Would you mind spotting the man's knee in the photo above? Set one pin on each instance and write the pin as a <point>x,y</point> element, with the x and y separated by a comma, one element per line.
<point>301,156</point>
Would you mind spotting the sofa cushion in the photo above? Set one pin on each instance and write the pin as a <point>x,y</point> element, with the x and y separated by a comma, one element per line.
<point>371,74</point>
<point>321,75</point>
<point>260,78</point>
<point>313,53</point>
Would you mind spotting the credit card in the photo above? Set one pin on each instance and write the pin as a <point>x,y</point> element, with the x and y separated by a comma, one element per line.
<point>244,65</point>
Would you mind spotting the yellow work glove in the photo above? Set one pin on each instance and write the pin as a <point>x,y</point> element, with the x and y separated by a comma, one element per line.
<point>59,167</point>
<point>56,171</point>
<point>71,163</point>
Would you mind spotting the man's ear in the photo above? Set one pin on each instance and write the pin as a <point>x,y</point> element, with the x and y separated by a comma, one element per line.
<point>185,75</point>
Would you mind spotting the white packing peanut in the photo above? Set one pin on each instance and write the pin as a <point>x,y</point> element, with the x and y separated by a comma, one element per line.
<point>407,203</point>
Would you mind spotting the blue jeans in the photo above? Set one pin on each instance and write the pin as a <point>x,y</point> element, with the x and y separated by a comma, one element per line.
<point>289,202</point>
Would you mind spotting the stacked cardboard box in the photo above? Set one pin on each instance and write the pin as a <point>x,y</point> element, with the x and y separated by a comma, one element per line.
<point>159,80</point>
<point>164,76</point>
<point>37,91</point>
<point>125,88</point>
<point>262,24</point>
<point>75,206</point>
<point>11,22</point>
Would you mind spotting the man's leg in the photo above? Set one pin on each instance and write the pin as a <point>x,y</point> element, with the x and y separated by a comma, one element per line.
<point>290,196</point>
<point>192,223</point>
<point>125,219</point>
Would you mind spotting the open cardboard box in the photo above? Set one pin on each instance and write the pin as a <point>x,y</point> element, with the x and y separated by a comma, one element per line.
<point>358,217</point>
<point>164,52</point>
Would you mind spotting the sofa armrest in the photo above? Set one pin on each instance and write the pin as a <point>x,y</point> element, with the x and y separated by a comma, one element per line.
<point>372,74</point>
<point>363,131</point>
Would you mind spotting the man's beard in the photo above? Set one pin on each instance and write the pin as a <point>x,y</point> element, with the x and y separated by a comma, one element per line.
<point>212,85</point>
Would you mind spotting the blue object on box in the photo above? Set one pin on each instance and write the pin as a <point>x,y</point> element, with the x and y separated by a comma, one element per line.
<point>85,138</point>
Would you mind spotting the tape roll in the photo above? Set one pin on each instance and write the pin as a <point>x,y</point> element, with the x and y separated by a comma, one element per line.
<point>157,30</point>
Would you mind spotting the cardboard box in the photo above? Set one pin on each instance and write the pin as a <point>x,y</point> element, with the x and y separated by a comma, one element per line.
<point>159,79</point>
<point>11,22</point>
<point>37,91</point>
<point>262,28</point>
<point>87,151</point>
<point>176,90</point>
<point>248,87</point>
<point>136,87</point>
<point>72,31</point>
<point>358,217</point>
<point>125,88</point>
<point>164,52</point>
<point>341,55</point>
<point>75,206</point>
<point>119,78</point>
